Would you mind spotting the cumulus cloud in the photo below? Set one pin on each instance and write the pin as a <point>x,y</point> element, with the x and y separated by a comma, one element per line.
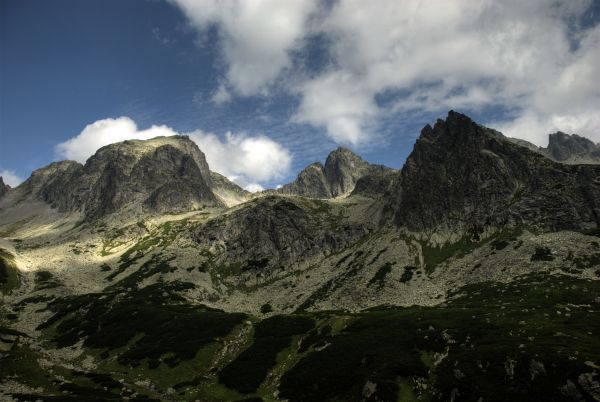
<point>247,160</point>
<point>10,177</point>
<point>244,159</point>
<point>256,36</point>
<point>535,58</point>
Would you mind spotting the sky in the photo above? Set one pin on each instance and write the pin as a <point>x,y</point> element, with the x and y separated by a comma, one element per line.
<point>266,87</point>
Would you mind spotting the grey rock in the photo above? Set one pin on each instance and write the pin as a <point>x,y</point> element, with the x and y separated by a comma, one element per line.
<point>4,188</point>
<point>463,178</point>
<point>375,185</point>
<point>227,191</point>
<point>311,182</point>
<point>572,148</point>
<point>277,232</point>
<point>338,176</point>
<point>590,382</point>
<point>162,174</point>
<point>566,148</point>
<point>53,184</point>
<point>570,391</point>
<point>536,368</point>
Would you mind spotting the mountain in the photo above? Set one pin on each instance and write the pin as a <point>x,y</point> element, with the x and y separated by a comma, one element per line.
<point>472,273</point>
<point>342,170</point>
<point>566,148</point>
<point>572,149</point>
<point>462,178</point>
<point>159,175</point>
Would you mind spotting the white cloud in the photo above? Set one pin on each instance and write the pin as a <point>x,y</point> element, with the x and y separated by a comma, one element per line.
<point>254,187</point>
<point>11,178</point>
<point>338,102</point>
<point>221,95</point>
<point>256,36</point>
<point>247,160</point>
<point>244,159</point>
<point>531,57</point>
<point>104,132</point>
<point>460,54</point>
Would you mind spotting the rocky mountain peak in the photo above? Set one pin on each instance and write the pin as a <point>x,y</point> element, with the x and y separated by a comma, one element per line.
<point>562,147</point>
<point>342,169</point>
<point>160,174</point>
<point>463,177</point>
<point>128,153</point>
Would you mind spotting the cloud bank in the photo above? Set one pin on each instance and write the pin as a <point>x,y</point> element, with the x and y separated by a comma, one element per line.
<point>537,60</point>
<point>247,160</point>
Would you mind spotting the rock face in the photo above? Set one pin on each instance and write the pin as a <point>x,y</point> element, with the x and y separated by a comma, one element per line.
<point>572,149</point>
<point>311,182</point>
<point>162,174</point>
<point>276,232</point>
<point>463,178</point>
<point>3,187</point>
<point>342,170</point>
<point>566,148</point>
<point>226,191</point>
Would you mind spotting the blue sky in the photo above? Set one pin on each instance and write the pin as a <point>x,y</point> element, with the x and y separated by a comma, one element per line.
<point>267,87</point>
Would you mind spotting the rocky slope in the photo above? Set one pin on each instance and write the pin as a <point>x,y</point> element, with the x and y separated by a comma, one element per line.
<point>342,170</point>
<point>228,192</point>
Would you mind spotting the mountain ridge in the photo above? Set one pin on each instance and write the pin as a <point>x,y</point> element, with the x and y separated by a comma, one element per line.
<point>479,259</point>
<point>485,180</point>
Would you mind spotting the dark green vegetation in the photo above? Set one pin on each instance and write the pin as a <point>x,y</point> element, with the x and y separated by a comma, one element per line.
<point>272,335</point>
<point>533,339</point>
<point>45,280</point>
<point>518,342</point>
<point>153,331</point>
<point>9,278</point>
<point>436,255</point>
<point>542,254</point>
<point>382,272</point>
<point>408,273</point>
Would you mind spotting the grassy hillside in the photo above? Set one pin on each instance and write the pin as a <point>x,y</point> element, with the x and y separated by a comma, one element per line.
<point>533,339</point>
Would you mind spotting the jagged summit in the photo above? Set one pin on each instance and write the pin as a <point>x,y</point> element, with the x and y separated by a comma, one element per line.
<point>463,177</point>
<point>342,169</point>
